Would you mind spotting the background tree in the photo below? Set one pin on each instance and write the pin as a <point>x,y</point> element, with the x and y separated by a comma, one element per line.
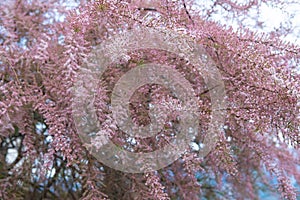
<point>44,43</point>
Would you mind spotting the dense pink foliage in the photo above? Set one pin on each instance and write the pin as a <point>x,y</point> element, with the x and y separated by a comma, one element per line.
<point>262,88</point>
